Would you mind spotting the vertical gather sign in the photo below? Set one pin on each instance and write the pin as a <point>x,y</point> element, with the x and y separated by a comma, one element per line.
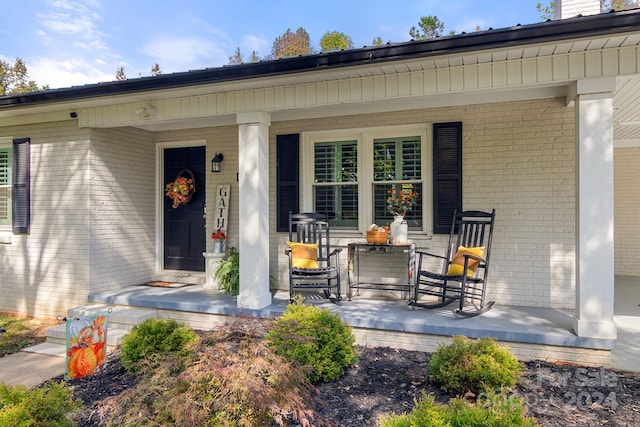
<point>221,215</point>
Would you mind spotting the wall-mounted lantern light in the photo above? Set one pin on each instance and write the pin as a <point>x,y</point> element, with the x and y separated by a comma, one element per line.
<point>215,162</point>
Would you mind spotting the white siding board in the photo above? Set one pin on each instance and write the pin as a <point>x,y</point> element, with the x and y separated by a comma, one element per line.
<point>471,78</point>
<point>499,74</point>
<point>514,73</point>
<point>576,66</point>
<point>545,69</point>
<point>344,90</point>
<point>610,63</point>
<point>404,85</point>
<point>485,77</point>
<point>368,92</point>
<point>379,89</point>
<point>593,64</point>
<point>416,83</point>
<point>628,57</point>
<point>457,79</point>
<point>430,82</point>
<point>443,83</point>
<point>560,67</point>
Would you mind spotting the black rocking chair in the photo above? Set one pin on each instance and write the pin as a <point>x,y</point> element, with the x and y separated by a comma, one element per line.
<point>465,270</point>
<point>312,263</point>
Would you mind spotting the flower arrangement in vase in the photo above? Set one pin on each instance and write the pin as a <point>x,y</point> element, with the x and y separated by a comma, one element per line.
<point>398,205</point>
<point>219,238</point>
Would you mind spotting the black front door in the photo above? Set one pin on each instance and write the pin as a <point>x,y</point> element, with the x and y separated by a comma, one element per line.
<point>184,226</point>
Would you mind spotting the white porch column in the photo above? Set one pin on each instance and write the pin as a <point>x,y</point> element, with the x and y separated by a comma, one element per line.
<point>253,175</point>
<point>594,209</point>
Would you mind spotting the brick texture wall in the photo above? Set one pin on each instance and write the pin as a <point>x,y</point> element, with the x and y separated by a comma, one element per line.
<point>122,208</point>
<point>518,157</point>
<point>627,208</point>
<point>46,272</point>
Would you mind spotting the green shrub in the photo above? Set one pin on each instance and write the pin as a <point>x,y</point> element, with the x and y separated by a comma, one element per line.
<point>48,405</point>
<point>498,411</point>
<point>228,273</point>
<point>154,338</point>
<point>473,365</point>
<point>234,380</point>
<point>316,338</point>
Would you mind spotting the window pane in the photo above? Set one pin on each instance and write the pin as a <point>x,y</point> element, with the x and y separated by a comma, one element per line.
<point>5,186</point>
<point>381,214</point>
<point>336,162</point>
<point>339,203</point>
<point>396,159</point>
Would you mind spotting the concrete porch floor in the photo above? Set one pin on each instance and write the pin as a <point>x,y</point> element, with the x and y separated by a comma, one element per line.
<point>531,332</point>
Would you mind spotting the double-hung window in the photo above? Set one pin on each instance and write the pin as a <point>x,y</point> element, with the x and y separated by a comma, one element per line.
<point>397,170</point>
<point>351,172</point>
<point>335,186</point>
<point>6,160</point>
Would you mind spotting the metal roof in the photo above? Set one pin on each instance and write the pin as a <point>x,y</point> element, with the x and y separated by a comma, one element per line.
<point>611,23</point>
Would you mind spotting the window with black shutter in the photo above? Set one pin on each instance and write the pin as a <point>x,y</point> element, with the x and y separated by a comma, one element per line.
<point>447,174</point>
<point>287,178</point>
<point>21,186</point>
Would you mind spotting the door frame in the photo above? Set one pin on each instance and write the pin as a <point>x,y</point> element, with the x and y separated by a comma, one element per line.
<point>160,147</point>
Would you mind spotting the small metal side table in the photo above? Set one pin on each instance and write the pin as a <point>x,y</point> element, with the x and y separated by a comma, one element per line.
<point>353,261</point>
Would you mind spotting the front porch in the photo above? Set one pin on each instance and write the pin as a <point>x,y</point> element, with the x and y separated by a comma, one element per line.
<point>530,332</point>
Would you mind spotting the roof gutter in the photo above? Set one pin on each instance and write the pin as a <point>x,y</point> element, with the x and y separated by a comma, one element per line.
<point>579,27</point>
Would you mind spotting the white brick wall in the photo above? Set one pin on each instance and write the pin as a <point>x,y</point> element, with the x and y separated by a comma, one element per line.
<point>627,209</point>
<point>122,208</point>
<point>518,158</point>
<point>46,272</point>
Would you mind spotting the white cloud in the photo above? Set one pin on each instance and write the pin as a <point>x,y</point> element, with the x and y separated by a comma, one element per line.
<point>181,53</point>
<point>252,43</point>
<point>57,73</point>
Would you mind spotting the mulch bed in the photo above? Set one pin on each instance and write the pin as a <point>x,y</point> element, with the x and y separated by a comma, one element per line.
<point>388,380</point>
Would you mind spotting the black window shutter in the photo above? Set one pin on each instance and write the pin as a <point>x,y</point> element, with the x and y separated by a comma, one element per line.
<point>447,174</point>
<point>287,178</point>
<point>21,186</point>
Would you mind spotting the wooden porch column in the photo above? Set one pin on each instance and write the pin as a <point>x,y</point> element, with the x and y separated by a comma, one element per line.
<point>253,154</point>
<point>594,209</point>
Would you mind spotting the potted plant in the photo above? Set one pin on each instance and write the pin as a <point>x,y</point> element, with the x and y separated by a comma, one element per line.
<point>228,273</point>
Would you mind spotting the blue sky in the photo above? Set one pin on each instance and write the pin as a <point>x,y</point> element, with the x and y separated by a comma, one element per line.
<point>73,42</point>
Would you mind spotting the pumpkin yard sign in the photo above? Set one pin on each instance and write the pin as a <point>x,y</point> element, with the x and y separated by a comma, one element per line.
<point>86,345</point>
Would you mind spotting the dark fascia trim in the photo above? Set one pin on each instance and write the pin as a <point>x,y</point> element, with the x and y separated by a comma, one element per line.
<point>579,27</point>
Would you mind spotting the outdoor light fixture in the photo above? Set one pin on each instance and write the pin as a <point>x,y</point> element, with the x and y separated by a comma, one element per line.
<point>215,162</point>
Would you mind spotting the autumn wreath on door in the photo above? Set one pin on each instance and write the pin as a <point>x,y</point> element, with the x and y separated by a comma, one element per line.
<point>181,189</point>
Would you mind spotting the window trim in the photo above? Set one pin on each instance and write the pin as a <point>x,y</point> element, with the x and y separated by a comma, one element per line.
<point>364,138</point>
<point>7,142</point>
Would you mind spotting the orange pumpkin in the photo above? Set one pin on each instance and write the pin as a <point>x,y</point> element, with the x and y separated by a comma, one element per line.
<point>82,362</point>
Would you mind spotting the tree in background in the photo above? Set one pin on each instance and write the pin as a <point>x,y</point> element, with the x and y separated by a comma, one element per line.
<point>155,70</point>
<point>429,28</point>
<point>236,59</point>
<point>546,12</point>
<point>377,41</point>
<point>291,44</point>
<point>120,75</point>
<point>334,40</point>
<point>619,5</point>
<point>14,79</point>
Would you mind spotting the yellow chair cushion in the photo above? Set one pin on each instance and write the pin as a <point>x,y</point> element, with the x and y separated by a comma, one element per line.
<point>304,255</point>
<point>456,268</point>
